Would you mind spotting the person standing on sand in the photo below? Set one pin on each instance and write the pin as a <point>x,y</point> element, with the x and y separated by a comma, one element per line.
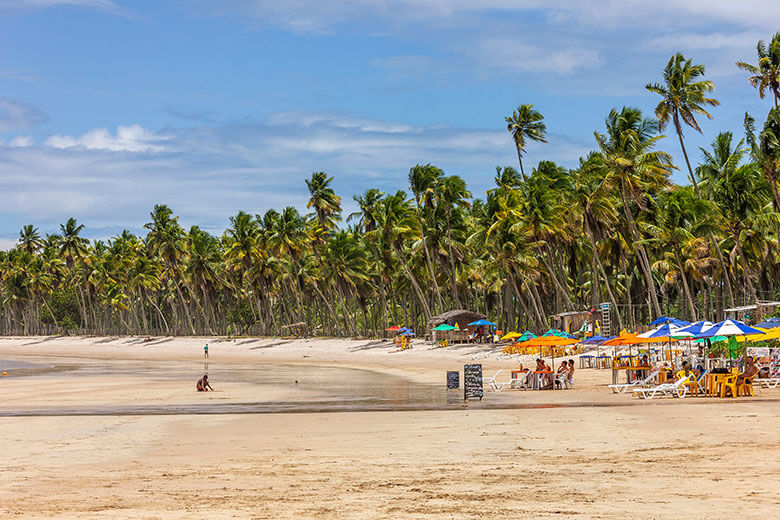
<point>206,351</point>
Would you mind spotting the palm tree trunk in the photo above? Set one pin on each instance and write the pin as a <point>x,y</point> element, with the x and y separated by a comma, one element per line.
<point>743,261</point>
<point>520,160</point>
<point>678,128</point>
<point>548,262</point>
<point>453,277</point>
<point>416,286</point>
<point>684,277</point>
<point>612,298</point>
<point>428,254</point>
<point>644,263</point>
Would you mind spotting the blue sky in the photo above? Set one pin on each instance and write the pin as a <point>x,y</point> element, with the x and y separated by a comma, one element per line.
<point>108,107</point>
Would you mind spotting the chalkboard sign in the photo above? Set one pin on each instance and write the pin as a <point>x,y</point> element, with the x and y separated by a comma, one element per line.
<point>472,381</point>
<point>453,380</point>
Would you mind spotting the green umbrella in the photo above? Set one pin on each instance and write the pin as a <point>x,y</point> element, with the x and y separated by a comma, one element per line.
<point>444,326</point>
<point>714,340</point>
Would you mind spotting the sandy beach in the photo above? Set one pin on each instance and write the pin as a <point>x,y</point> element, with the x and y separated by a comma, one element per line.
<point>112,428</point>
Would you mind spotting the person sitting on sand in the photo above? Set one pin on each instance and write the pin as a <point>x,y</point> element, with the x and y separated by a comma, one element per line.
<point>203,384</point>
<point>750,370</point>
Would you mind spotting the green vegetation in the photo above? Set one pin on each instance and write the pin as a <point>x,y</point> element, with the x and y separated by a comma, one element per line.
<point>614,229</point>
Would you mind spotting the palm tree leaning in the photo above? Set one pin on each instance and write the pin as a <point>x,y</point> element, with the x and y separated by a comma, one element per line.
<point>766,74</point>
<point>525,123</point>
<point>683,98</point>
<point>423,180</point>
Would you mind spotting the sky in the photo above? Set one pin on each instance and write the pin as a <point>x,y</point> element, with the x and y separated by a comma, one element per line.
<point>108,107</point>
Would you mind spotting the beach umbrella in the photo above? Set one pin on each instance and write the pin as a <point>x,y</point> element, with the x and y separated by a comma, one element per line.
<point>482,322</point>
<point>444,326</point>
<point>558,333</point>
<point>666,330</point>
<point>594,340</point>
<point>697,328</point>
<point>665,319</point>
<point>771,323</point>
<point>393,328</point>
<point>729,328</point>
<point>408,333</point>
<point>511,335</point>
<point>769,334</point>
<point>714,339</point>
<point>403,329</point>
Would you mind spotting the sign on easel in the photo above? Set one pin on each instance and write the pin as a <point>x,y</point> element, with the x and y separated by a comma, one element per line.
<point>453,380</point>
<point>472,381</point>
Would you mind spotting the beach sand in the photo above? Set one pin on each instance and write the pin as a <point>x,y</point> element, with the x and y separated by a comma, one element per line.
<point>590,455</point>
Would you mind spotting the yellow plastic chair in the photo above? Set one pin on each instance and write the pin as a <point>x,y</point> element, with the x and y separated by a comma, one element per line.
<point>746,388</point>
<point>729,384</point>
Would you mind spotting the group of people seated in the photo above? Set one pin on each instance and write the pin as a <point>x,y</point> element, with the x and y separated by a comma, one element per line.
<point>749,371</point>
<point>547,380</point>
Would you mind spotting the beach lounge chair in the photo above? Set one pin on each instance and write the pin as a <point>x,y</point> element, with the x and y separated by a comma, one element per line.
<point>677,389</point>
<point>493,384</point>
<point>620,389</point>
<point>767,382</point>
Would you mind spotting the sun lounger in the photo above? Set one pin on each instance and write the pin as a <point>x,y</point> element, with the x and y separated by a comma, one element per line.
<point>493,384</point>
<point>768,382</point>
<point>677,389</point>
<point>620,389</point>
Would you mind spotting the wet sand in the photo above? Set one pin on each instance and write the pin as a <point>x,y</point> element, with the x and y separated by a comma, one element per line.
<point>593,455</point>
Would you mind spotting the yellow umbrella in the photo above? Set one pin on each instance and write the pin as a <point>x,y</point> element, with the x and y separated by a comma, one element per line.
<point>769,334</point>
<point>511,335</point>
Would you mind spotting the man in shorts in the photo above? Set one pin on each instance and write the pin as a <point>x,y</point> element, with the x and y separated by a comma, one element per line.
<point>203,384</point>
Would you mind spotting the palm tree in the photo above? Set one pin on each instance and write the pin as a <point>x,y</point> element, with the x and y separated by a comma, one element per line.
<point>525,123</point>
<point>680,217</point>
<point>766,73</point>
<point>423,180</point>
<point>683,98</point>
<point>72,246</point>
<point>596,208</point>
<point>396,224</point>
<point>326,204</point>
<point>453,193</point>
<point>630,165</point>
<point>30,239</point>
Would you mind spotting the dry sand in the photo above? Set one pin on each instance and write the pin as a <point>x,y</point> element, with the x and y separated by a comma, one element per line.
<point>621,459</point>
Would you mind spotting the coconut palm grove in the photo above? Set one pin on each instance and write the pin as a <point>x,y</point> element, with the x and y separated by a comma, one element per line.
<point>544,239</point>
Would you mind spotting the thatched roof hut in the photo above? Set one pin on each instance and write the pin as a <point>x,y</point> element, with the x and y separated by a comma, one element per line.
<point>459,316</point>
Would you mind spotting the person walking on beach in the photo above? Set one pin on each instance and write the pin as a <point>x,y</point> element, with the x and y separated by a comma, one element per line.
<point>203,384</point>
<point>206,350</point>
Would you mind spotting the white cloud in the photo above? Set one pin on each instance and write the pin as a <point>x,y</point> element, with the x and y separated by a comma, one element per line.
<point>133,138</point>
<point>315,15</point>
<point>6,244</point>
<point>208,173</point>
<point>21,141</point>
<point>514,54</point>
<point>16,115</point>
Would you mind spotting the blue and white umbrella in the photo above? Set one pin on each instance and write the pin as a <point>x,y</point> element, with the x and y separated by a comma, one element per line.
<point>665,319</point>
<point>697,328</point>
<point>729,328</point>
<point>769,323</point>
<point>667,330</point>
